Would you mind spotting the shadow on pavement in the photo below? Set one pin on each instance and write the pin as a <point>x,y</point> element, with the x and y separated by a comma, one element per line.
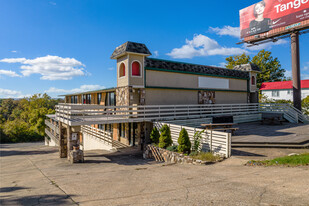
<point>11,189</point>
<point>243,153</point>
<point>122,157</point>
<point>4,153</point>
<point>38,200</point>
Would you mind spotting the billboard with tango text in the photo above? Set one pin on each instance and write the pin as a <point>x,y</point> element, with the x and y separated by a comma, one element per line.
<point>268,15</point>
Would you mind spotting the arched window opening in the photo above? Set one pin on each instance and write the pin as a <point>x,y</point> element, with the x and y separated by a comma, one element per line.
<point>122,70</point>
<point>136,69</point>
<point>252,80</point>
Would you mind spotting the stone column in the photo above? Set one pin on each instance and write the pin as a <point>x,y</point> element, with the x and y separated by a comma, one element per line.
<point>62,143</point>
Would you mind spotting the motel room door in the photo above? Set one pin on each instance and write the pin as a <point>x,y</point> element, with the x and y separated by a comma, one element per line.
<point>133,134</point>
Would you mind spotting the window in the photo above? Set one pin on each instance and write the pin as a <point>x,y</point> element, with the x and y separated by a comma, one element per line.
<point>101,126</point>
<point>74,99</point>
<point>99,98</point>
<point>121,130</point>
<point>110,99</point>
<point>290,91</point>
<point>108,127</point>
<point>86,98</point>
<point>275,93</point>
<point>136,69</point>
<point>122,70</point>
<point>253,80</point>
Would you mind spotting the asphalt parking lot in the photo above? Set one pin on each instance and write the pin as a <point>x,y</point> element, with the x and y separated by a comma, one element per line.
<point>32,174</point>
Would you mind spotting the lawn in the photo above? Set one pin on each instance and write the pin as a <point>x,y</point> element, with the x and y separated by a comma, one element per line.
<point>294,160</point>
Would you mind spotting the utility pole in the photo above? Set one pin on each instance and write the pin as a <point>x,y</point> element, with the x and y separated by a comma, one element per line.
<point>296,69</point>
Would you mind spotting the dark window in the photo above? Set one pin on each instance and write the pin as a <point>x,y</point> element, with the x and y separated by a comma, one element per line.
<point>110,99</point>
<point>99,98</point>
<point>88,98</point>
<point>252,80</point>
<point>72,99</point>
<point>101,126</point>
<point>75,99</point>
<point>108,128</point>
<point>122,130</point>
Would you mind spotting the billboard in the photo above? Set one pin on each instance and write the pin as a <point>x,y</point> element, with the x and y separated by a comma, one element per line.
<point>268,15</point>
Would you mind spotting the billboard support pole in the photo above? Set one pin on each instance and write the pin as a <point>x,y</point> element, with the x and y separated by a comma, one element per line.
<point>296,70</point>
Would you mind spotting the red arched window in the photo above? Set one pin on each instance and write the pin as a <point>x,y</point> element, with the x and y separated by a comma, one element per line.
<point>122,70</point>
<point>136,69</point>
<point>252,80</point>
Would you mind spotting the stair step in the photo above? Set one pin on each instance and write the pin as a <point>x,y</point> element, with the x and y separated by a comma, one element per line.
<point>272,145</point>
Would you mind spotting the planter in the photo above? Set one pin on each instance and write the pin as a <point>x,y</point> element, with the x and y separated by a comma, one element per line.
<point>163,155</point>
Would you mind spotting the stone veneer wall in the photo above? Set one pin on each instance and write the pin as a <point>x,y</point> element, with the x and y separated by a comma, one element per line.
<point>159,154</point>
<point>123,96</point>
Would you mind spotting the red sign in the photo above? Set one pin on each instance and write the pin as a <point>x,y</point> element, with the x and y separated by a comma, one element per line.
<point>271,14</point>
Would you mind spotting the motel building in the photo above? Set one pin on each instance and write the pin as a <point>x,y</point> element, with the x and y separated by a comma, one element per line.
<point>283,90</point>
<point>151,92</point>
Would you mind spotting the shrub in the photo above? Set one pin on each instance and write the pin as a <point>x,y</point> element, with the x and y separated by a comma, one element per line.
<point>184,142</point>
<point>197,141</point>
<point>172,148</point>
<point>154,135</point>
<point>165,139</point>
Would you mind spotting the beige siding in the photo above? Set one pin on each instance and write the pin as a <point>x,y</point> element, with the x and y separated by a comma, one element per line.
<point>231,97</point>
<point>176,97</point>
<point>170,96</point>
<point>123,81</point>
<point>134,80</point>
<point>179,80</point>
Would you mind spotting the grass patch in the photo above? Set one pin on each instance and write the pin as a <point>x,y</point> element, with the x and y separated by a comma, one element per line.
<point>206,156</point>
<point>294,160</point>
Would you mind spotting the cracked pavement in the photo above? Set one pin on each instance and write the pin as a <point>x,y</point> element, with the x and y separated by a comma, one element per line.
<point>32,174</point>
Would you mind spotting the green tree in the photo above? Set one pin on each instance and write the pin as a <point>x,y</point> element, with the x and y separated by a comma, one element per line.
<point>155,135</point>
<point>270,67</point>
<point>23,120</point>
<point>184,144</point>
<point>165,139</point>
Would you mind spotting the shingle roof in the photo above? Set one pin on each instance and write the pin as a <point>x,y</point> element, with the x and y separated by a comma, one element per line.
<point>194,68</point>
<point>283,85</point>
<point>130,47</point>
<point>247,67</point>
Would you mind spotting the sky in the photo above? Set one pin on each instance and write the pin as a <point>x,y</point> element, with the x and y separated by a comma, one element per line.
<point>59,47</point>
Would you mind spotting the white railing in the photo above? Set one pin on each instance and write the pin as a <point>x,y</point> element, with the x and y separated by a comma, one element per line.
<point>77,114</point>
<point>212,141</point>
<point>52,126</point>
<point>49,134</point>
<point>99,134</point>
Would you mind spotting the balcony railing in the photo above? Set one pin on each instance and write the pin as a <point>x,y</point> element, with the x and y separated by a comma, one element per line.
<point>75,114</point>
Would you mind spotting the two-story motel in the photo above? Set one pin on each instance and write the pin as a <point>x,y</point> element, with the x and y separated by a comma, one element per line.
<point>174,89</point>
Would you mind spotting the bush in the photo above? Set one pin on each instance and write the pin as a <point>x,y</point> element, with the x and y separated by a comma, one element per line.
<point>197,141</point>
<point>172,148</point>
<point>184,142</point>
<point>165,139</point>
<point>154,135</point>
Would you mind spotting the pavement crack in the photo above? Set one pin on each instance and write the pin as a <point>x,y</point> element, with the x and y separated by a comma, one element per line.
<point>51,181</point>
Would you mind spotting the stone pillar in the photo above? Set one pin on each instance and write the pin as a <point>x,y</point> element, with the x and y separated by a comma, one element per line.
<point>62,143</point>
<point>69,141</point>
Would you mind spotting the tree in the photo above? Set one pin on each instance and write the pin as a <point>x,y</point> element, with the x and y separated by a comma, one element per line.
<point>184,144</point>
<point>270,67</point>
<point>165,139</point>
<point>155,135</point>
<point>23,120</point>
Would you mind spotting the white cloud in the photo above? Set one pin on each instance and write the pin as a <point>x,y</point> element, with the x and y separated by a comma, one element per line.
<point>288,73</point>
<point>14,51</point>
<point>8,73</point>
<point>306,67</point>
<point>82,88</point>
<point>156,53</point>
<point>202,45</point>
<point>7,93</point>
<point>111,68</point>
<point>53,3</point>
<point>50,67</point>
<point>268,45</point>
<point>226,31</point>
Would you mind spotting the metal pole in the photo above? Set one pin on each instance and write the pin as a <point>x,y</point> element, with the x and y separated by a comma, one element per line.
<point>296,70</point>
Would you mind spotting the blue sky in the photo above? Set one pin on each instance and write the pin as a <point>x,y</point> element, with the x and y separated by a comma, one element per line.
<point>64,46</point>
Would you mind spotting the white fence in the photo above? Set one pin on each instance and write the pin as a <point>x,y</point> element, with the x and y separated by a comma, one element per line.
<point>214,141</point>
<point>82,114</point>
<point>101,135</point>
